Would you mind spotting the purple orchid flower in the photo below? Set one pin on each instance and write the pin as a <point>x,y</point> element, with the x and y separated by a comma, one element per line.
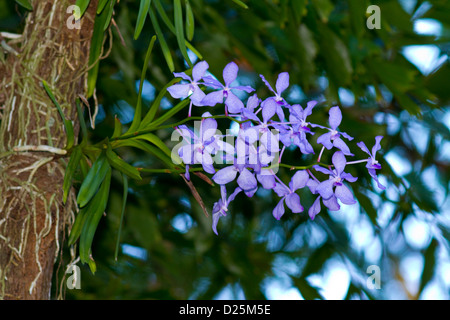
<point>200,146</point>
<point>262,131</point>
<point>246,180</point>
<point>248,113</point>
<point>220,208</point>
<point>296,133</point>
<point>232,102</point>
<point>336,179</point>
<point>332,203</point>
<point>191,89</point>
<point>372,163</point>
<point>332,138</point>
<point>288,194</point>
<point>281,85</point>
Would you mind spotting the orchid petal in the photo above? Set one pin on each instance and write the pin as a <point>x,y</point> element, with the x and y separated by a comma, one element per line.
<point>344,194</point>
<point>364,148</point>
<point>199,70</point>
<point>247,180</point>
<point>225,175</point>
<point>299,180</point>
<point>314,209</point>
<point>332,204</point>
<point>278,211</point>
<point>230,73</point>
<point>325,140</point>
<point>339,161</point>
<point>179,91</point>
<point>233,103</point>
<point>197,97</point>
<point>267,181</point>
<point>267,83</point>
<point>293,202</point>
<point>341,145</point>
<point>213,98</point>
<point>377,145</point>
<point>208,129</point>
<point>325,189</point>
<point>282,82</point>
<point>335,117</point>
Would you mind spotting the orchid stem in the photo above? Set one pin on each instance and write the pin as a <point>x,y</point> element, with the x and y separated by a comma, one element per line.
<point>320,154</point>
<point>358,161</point>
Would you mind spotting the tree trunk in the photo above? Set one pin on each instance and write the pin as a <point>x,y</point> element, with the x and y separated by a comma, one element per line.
<point>32,138</point>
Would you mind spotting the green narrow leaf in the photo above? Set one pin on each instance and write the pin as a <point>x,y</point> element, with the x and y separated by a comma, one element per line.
<point>142,16</point>
<point>93,180</point>
<point>70,170</point>
<point>155,106</point>
<point>117,128</point>
<point>166,116</point>
<point>137,115</point>
<point>165,18</point>
<point>139,144</point>
<point>317,259</point>
<point>83,5</point>
<point>26,4</point>
<point>241,4</point>
<point>81,120</point>
<point>153,139</point>
<point>190,21</point>
<point>96,210</point>
<point>92,266</point>
<point>116,162</point>
<point>110,12</point>
<point>96,50</point>
<point>52,97</point>
<point>195,51</point>
<point>307,291</point>
<point>78,225</point>
<point>101,5</point>
<point>162,41</point>
<point>67,123</point>
<point>179,29</point>
<point>84,166</point>
<point>171,27</point>
<point>124,204</point>
<point>430,264</point>
<point>70,135</point>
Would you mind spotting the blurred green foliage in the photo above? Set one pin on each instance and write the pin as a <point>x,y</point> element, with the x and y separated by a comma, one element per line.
<point>327,50</point>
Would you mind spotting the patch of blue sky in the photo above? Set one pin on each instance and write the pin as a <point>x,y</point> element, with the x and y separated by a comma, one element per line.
<point>101,114</point>
<point>134,252</point>
<point>334,280</point>
<point>399,164</point>
<point>417,233</point>
<point>425,57</point>
<point>124,111</point>
<point>148,90</point>
<point>295,94</point>
<point>231,292</point>
<point>182,222</point>
<point>411,267</point>
<point>347,97</point>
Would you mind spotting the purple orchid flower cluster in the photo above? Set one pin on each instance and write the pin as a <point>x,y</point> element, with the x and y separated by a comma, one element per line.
<point>264,134</point>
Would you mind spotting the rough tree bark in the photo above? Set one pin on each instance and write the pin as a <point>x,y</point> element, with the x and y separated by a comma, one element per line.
<point>32,214</point>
